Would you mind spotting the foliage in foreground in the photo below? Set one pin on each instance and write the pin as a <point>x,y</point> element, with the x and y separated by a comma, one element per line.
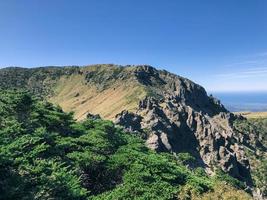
<point>45,154</point>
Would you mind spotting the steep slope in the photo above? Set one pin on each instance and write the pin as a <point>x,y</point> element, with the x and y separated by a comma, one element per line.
<point>45,154</point>
<point>185,119</point>
<point>98,89</point>
<point>171,112</point>
<point>253,133</point>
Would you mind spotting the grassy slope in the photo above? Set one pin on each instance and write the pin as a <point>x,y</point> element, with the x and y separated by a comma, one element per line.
<point>253,115</point>
<point>72,93</point>
<point>99,89</point>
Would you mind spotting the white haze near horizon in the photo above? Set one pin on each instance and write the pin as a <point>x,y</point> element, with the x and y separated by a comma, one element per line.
<point>246,74</point>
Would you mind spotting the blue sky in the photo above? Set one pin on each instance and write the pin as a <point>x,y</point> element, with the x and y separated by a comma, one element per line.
<point>221,45</point>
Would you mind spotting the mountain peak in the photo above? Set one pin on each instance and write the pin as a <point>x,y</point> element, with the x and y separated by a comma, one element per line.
<point>172,113</point>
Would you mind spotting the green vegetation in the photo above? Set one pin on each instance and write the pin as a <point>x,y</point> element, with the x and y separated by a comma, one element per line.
<point>40,80</point>
<point>102,89</point>
<point>257,127</point>
<point>185,158</point>
<point>103,76</point>
<point>46,154</point>
<point>221,176</point>
<point>255,132</point>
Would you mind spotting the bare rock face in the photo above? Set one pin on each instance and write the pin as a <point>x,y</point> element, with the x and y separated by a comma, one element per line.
<point>176,127</point>
<point>186,119</point>
<point>177,116</point>
<point>130,121</point>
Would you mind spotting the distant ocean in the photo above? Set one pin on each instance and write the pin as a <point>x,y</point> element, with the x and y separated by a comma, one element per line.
<point>243,101</point>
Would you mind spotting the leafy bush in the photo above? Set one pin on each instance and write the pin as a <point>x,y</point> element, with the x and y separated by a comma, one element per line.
<point>185,158</point>
<point>223,177</point>
<point>46,154</point>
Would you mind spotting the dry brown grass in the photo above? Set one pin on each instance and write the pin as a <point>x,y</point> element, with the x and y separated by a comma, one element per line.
<point>221,192</point>
<point>253,115</point>
<point>73,94</point>
<point>225,193</point>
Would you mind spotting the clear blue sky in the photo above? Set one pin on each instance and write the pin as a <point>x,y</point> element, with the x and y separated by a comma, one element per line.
<point>220,44</point>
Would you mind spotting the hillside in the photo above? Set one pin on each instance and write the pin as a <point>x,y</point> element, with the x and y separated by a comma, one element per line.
<point>171,113</point>
<point>45,154</point>
<point>253,115</point>
<point>99,89</point>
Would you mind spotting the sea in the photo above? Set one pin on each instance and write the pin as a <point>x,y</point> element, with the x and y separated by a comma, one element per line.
<point>243,101</point>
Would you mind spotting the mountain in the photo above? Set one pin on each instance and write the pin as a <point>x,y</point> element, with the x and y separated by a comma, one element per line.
<point>46,154</point>
<point>98,89</point>
<point>172,113</point>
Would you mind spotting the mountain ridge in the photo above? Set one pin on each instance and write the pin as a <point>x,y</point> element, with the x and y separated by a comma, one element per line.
<point>51,82</point>
<point>171,112</point>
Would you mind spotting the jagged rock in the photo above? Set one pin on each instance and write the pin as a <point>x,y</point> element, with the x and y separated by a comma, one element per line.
<point>130,121</point>
<point>153,142</point>
<point>177,116</point>
<point>190,121</point>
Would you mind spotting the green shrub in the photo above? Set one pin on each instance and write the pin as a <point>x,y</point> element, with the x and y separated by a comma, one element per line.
<point>46,154</point>
<point>223,177</point>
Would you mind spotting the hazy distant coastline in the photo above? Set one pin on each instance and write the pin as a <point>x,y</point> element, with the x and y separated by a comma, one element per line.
<point>243,101</point>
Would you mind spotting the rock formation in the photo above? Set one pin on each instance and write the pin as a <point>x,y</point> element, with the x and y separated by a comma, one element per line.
<point>174,114</point>
<point>183,118</point>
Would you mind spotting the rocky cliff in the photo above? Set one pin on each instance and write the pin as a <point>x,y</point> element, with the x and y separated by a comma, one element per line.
<point>185,119</point>
<point>172,113</point>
